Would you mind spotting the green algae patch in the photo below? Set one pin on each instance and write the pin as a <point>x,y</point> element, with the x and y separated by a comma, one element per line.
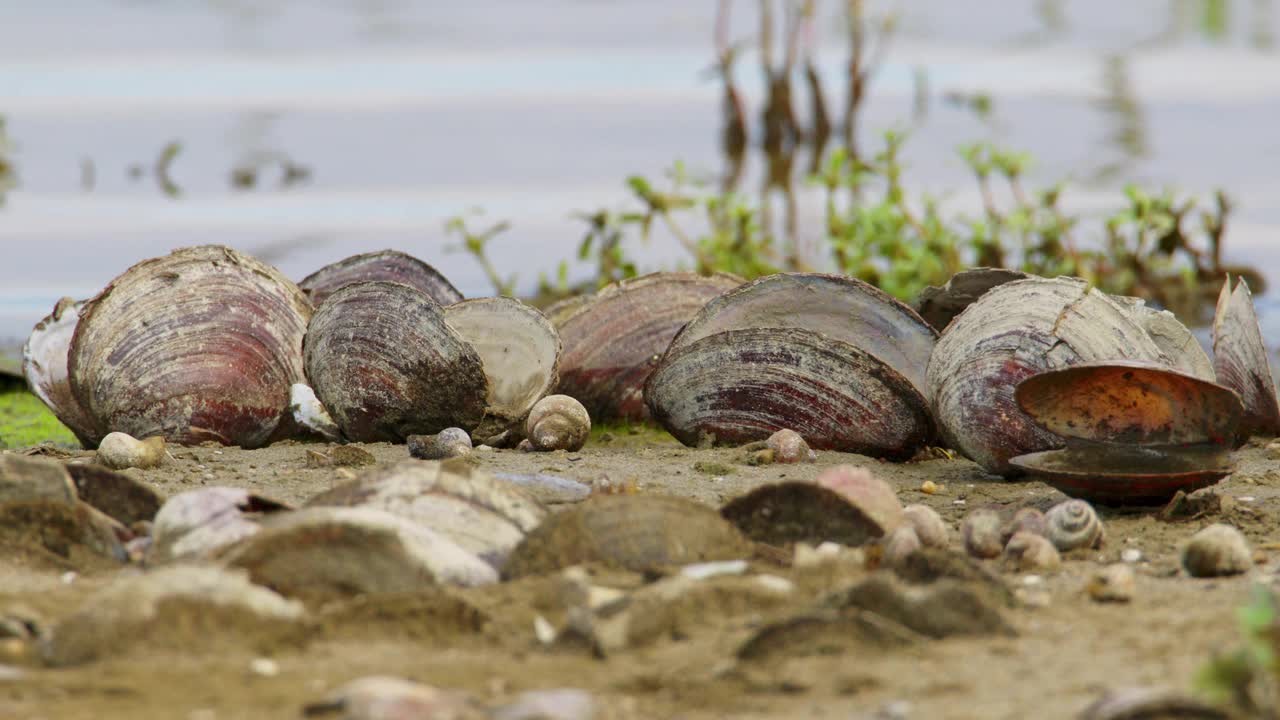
<point>25,421</point>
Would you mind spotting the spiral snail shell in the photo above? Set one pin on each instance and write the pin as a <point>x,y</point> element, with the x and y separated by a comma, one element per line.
<point>558,422</point>
<point>1073,525</point>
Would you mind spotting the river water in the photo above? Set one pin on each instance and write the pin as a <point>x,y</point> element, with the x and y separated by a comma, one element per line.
<point>400,114</point>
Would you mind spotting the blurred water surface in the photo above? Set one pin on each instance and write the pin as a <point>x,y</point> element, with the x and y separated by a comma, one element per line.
<point>398,114</point>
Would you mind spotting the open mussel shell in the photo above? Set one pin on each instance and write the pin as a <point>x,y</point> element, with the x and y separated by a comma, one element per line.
<point>1240,360</point>
<point>633,532</point>
<point>520,351</point>
<point>939,305</point>
<point>612,341</point>
<point>1012,332</point>
<point>1127,475</point>
<point>840,307</point>
<point>199,345</point>
<point>388,265</point>
<point>741,386</point>
<point>44,364</point>
<point>386,365</point>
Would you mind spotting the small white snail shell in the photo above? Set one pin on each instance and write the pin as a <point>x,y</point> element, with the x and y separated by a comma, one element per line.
<point>901,544</point>
<point>928,524</point>
<point>119,451</point>
<point>1072,525</point>
<point>558,422</point>
<point>789,447</point>
<point>1029,552</point>
<point>1216,551</point>
<point>981,532</point>
<point>448,443</point>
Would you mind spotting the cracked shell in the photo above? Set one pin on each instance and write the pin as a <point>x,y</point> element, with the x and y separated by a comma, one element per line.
<point>386,365</point>
<point>200,345</point>
<point>388,265</point>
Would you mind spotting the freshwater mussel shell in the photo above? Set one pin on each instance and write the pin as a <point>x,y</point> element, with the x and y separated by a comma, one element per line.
<point>741,386</point>
<point>199,345</point>
<point>520,351</point>
<point>1240,360</point>
<point>386,365</point>
<point>44,364</point>
<point>1108,474</point>
<point>938,306</point>
<point>613,341</point>
<point>388,265</point>
<point>1130,403</point>
<point>840,307</point>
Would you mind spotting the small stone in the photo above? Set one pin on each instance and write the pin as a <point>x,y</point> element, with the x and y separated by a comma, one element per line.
<point>1217,551</point>
<point>318,459</point>
<point>351,456</point>
<point>928,524</point>
<point>264,667</point>
<point>981,533</point>
<point>448,443</point>
<point>543,630</point>
<point>1273,449</point>
<point>1131,555</point>
<point>1113,583</point>
<point>928,487</point>
<point>1027,551</point>
<point>702,571</point>
<point>789,447</point>
<point>760,457</point>
<point>120,451</point>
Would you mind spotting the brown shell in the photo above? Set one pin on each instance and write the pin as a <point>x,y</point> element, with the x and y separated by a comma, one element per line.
<point>844,504</point>
<point>634,532</point>
<point>741,386</point>
<point>1012,332</point>
<point>612,343</point>
<point>114,493</point>
<point>520,351</point>
<point>386,365</point>
<point>1127,475</point>
<point>389,265</point>
<point>1130,403</point>
<point>201,344</point>
<point>843,308</point>
<point>939,305</point>
<point>1240,360</point>
<point>44,364</point>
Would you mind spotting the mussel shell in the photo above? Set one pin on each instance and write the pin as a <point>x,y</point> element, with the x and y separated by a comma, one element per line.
<point>202,344</point>
<point>795,511</point>
<point>1127,475</point>
<point>1012,332</point>
<point>1240,360</point>
<point>389,265</point>
<point>634,532</point>
<point>741,386</point>
<point>843,308</point>
<point>520,351</point>
<point>1130,403</point>
<point>613,341</point>
<point>44,364</point>
<point>1178,347</point>
<point>939,305</point>
<point>386,365</point>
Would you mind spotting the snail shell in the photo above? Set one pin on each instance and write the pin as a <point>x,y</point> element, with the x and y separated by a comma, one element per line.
<point>789,447</point>
<point>928,524</point>
<point>1113,583</point>
<point>1030,552</point>
<point>1240,359</point>
<point>388,265</point>
<point>386,365</point>
<point>558,422</point>
<point>44,364</point>
<point>1216,551</point>
<point>119,451</point>
<point>201,344</point>
<point>1026,519</point>
<point>981,533</point>
<point>901,544</point>
<point>1072,525</point>
<point>448,443</point>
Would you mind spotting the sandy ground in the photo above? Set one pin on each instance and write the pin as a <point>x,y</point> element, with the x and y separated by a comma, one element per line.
<point>1062,657</point>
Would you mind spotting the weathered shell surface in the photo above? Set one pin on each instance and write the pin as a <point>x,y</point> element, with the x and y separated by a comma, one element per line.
<point>788,446</point>
<point>388,265</point>
<point>386,365</point>
<point>558,422</point>
<point>44,363</point>
<point>741,386</point>
<point>1072,525</point>
<point>634,532</point>
<point>116,494</point>
<point>24,478</point>
<point>483,515</point>
<point>1180,348</point>
<point>197,523</point>
<point>840,307</point>
<point>561,310</point>
<point>844,504</point>
<point>198,345</point>
<point>1216,551</point>
<point>939,305</point>
<point>612,342</point>
<point>310,415</point>
<point>358,550</point>
<point>1240,359</point>
<point>1012,332</point>
<point>520,351</point>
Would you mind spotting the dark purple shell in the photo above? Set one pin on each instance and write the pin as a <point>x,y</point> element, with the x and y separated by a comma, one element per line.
<point>613,341</point>
<point>201,344</point>
<point>386,365</point>
<point>389,265</point>
<point>1240,360</point>
<point>741,386</point>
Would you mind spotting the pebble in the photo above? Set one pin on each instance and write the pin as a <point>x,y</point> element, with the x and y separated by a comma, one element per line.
<point>120,451</point>
<point>543,630</point>
<point>1217,551</point>
<point>702,571</point>
<point>928,524</point>
<point>1029,551</point>
<point>264,667</point>
<point>1131,555</point>
<point>981,533</point>
<point>928,487</point>
<point>1113,583</point>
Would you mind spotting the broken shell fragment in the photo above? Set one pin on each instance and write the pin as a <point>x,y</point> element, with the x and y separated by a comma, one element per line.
<point>928,525</point>
<point>196,524</point>
<point>788,447</point>
<point>120,451</point>
<point>981,532</point>
<point>382,359</point>
<point>309,413</point>
<point>44,364</point>
<point>1072,525</point>
<point>200,345</point>
<point>1217,551</point>
<point>844,504</point>
<point>741,386</point>
<point>520,351</point>
<point>1240,360</point>
<point>939,305</point>
<point>613,340</point>
<point>386,265</point>
<point>558,422</point>
<point>1029,552</point>
<point>448,443</point>
<point>634,532</point>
